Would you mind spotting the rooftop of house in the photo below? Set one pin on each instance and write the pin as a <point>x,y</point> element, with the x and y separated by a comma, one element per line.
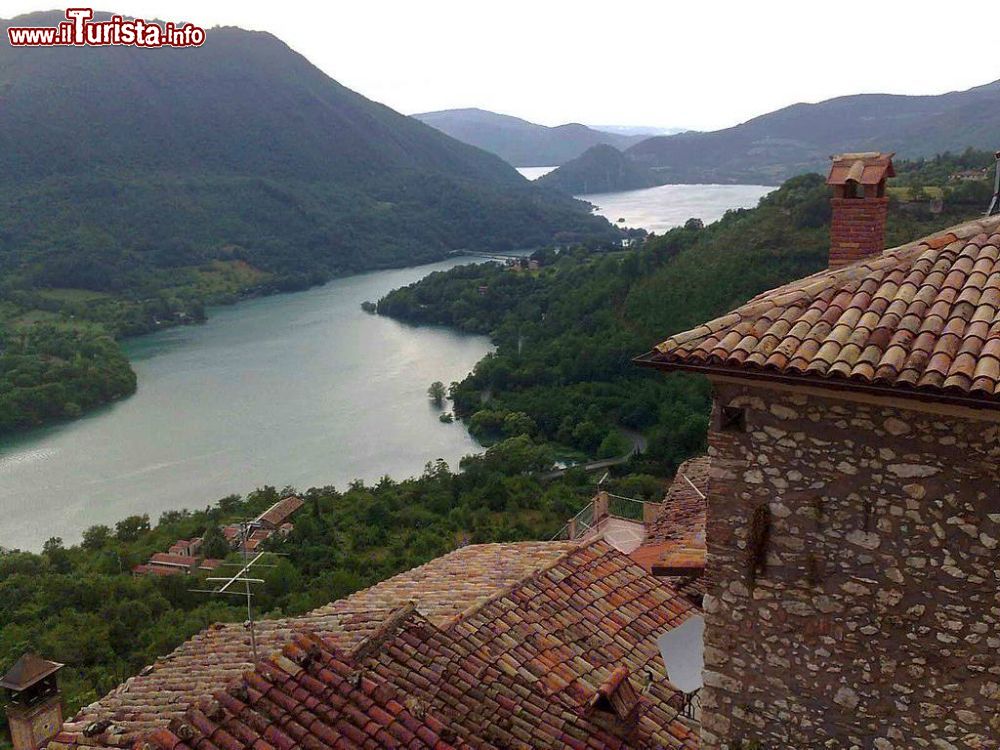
<point>166,558</point>
<point>544,624</point>
<point>281,511</point>
<point>921,320</point>
<point>205,663</point>
<point>675,540</point>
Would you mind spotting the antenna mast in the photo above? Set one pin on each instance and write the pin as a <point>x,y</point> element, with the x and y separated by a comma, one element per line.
<point>995,203</point>
<point>241,576</point>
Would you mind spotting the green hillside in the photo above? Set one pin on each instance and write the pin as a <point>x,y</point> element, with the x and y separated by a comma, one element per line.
<point>566,334</point>
<point>137,185</point>
<point>776,146</point>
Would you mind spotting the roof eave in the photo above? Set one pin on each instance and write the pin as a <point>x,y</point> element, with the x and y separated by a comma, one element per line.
<point>654,360</point>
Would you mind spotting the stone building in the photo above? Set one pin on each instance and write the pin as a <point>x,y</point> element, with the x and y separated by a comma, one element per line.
<point>853,594</point>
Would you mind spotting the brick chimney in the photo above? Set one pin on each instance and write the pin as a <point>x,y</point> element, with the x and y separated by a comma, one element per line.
<point>860,206</point>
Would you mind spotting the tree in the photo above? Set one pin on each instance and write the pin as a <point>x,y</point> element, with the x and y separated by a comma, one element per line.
<point>96,537</point>
<point>213,543</point>
<point>131,528</point>
<point>437,393</point>
<point>58,557</point>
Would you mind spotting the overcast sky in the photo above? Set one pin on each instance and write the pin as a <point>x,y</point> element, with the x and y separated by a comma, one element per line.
<point>701,64</point>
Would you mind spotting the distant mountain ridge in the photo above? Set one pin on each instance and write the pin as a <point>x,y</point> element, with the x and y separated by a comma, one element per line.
<point>800,138</point>
<point>119,165</point>
<point>522,143</point>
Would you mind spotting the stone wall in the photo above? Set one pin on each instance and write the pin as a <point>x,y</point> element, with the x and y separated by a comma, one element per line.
<point>873,619</point>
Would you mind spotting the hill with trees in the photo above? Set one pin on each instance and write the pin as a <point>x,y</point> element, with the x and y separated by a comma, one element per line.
<point>519,142</point>
<point>601,169</point>
<point>137,185</point>
<point>776,146</point>
<point>566,334</point>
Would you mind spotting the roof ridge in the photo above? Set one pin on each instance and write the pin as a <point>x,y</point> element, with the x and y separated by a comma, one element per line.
<point>409,572</point>
<point>391,625</point>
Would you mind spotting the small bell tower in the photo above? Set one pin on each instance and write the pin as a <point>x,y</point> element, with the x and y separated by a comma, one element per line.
<point>34,704</point>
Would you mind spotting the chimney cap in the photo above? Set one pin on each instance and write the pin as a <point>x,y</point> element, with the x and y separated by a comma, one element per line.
<point>27,671</point>
<point>865,168</point>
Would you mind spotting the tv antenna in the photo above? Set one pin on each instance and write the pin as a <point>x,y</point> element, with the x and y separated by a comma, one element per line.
<point>227,585</point>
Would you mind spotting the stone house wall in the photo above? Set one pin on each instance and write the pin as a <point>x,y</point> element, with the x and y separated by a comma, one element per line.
<point>873,617</point>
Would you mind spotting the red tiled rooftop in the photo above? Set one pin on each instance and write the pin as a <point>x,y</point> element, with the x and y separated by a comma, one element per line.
<point>543,625</point>
<point>675,539</point>
<point>281,511</point>
<point>920,320</point>
<point>165,558</point>
<point>441,589</point>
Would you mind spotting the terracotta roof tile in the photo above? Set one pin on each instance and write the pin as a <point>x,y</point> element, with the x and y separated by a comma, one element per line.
<point>917,318</point>
<point>281,511</point>
<point>441,589</point>
<point>675,541</point>
<point>564,657</point>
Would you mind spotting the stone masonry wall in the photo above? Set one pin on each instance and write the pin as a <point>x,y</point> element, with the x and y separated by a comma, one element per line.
<point>874,621</point>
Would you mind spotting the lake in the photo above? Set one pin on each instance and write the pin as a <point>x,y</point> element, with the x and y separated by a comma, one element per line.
<point>303,389</point>
<point>661,208</point>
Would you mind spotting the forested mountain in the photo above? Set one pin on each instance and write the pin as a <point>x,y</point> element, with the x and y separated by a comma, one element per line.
<point>138,184</point>
<point>523,143</point>
<point>119,161</point>
<point>800,138</point>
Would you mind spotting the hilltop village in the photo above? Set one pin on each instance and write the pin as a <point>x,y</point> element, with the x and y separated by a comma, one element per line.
<point>829,565</point>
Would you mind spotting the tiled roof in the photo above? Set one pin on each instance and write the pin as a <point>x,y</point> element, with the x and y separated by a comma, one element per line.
<point>165,558</point>
<point>522,668</point>
<point>204,664</point>
<point>307,696</point>
<point>922,319</point>
<point>281,510</point>
<point>675,540</point>
<point>569,626</point>
<point>682,514</point>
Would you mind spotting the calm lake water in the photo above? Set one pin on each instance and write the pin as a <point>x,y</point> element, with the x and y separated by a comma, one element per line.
<point>667,206</point>
<point>302,389</point>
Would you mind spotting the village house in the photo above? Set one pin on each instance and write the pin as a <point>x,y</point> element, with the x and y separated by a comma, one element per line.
<point>854,492</point>
<point>189,547</point>
<point>279,513</point>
